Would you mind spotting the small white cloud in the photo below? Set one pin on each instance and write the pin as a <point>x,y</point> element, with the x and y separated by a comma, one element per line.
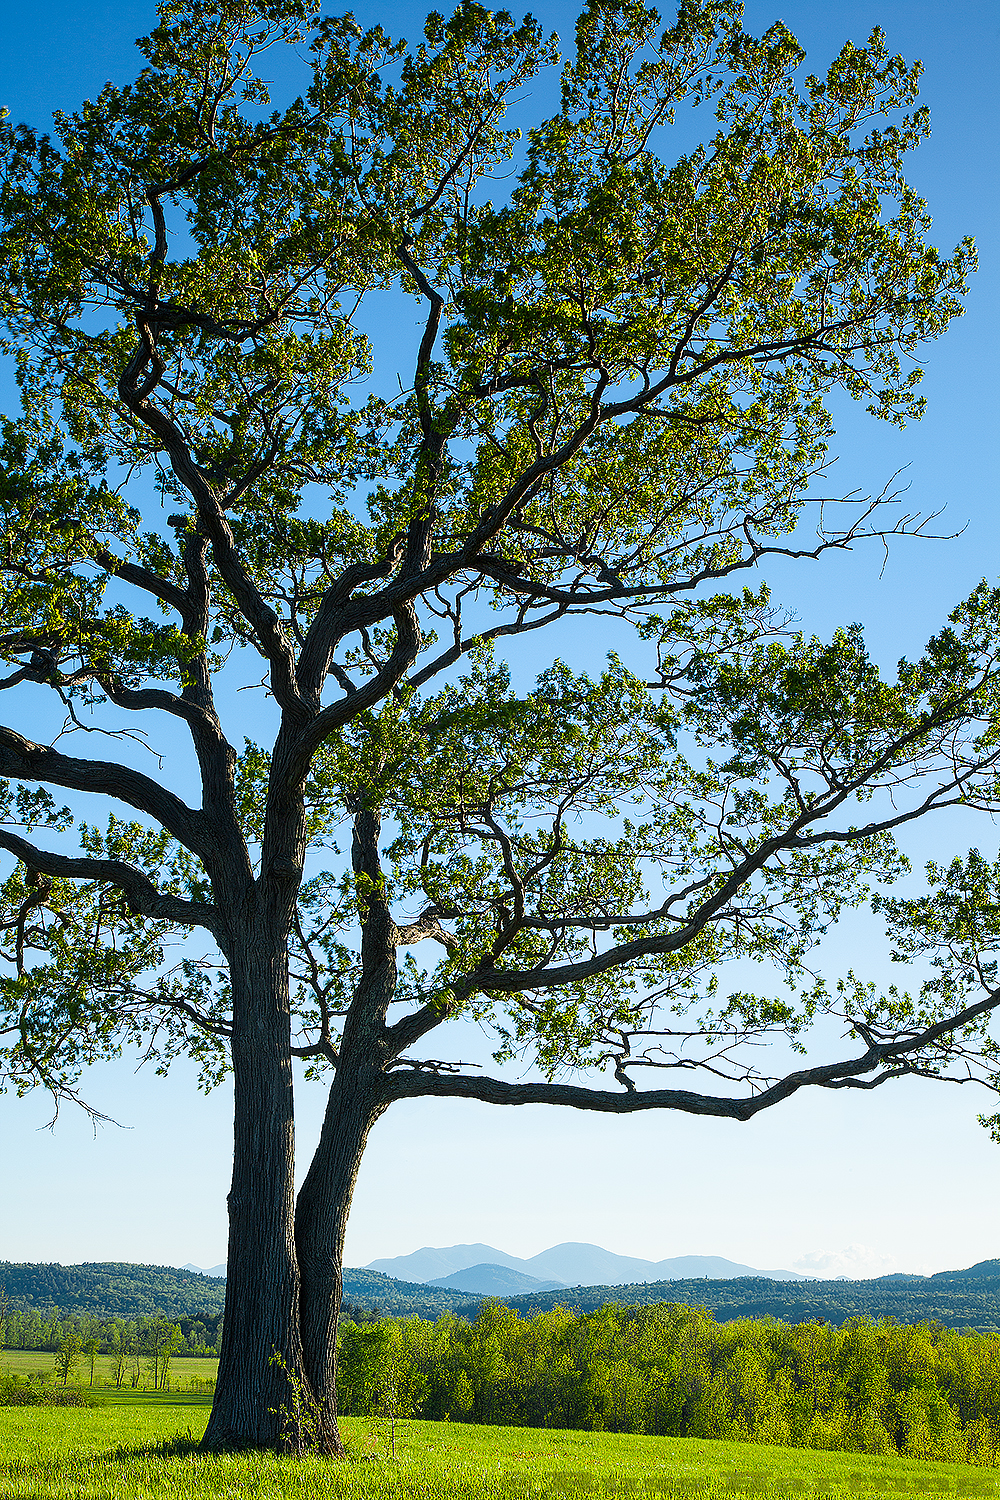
<point>858,1262</point>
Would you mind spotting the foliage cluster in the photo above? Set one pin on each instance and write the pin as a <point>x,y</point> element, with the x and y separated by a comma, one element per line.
<point>17,1392</point>
<point>882,1388</point>
<point>619,404</point>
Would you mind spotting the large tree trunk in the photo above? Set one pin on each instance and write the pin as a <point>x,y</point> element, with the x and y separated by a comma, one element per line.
<point>262,1290</point>
<point>320,1225</point>
<point>284,1282</point>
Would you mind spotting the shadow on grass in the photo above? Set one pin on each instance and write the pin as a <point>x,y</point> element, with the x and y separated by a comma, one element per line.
<point>181,1445</point>
<point>186,1445</point>
<point>154,1398</point>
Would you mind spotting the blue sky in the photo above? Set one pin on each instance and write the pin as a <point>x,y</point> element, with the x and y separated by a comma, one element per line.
<point>905,1175</point>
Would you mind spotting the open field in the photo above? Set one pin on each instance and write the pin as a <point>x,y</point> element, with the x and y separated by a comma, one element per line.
<point>112,1454</point>
<point>25,1362</point>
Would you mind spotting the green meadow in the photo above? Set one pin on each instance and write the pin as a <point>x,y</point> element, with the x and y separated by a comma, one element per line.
<point>29,1363</point>
<point>145,1449</point>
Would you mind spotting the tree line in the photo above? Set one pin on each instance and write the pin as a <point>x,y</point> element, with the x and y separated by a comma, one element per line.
<point>50,1330</point>
<point>883,1387</point>
<point>958,1302</point>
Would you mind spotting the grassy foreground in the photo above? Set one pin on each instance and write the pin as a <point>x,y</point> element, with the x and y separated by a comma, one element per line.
<point>133,1452</point>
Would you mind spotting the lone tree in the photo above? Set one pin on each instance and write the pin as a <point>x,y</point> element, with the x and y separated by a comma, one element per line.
<point>613,406</point>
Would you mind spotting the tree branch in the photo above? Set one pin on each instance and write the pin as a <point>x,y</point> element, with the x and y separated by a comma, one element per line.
<point>847,1073</point>
<point>135,388</point>
<point>142,895</point>
<point>402,657</point>
<point>23,759</point>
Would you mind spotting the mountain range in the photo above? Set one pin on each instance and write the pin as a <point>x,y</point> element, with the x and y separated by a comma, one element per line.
<point>479,1268</point>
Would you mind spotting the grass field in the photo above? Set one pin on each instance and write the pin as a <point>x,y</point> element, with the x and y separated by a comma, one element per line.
<point>145,1451</point>
<point>39,1362</point>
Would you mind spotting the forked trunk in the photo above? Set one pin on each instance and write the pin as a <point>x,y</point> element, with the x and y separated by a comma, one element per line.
<point>262,1288</point>
<point>284,1282</point>
<point>357,1098</point>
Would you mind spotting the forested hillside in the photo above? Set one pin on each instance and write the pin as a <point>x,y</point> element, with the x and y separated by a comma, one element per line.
<point>957,1299</point>
<point>374,1292</point>
<point>112,1289</point>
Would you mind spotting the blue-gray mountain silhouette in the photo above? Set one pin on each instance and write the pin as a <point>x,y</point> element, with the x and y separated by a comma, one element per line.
<point>570,1264</point>
<point>496,1281</point>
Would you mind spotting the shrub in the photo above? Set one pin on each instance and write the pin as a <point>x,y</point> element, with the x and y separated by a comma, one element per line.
<point>17,1392</point>
<point>65,1395</point>
<point>14,1392</point>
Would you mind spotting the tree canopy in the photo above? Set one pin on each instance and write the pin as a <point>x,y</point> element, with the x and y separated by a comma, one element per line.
<point>616,406</point>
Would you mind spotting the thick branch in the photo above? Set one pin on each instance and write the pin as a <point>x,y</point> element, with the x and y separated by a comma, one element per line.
<point>142,895</point>
<point>137,383</point>
<point>631,1101</point>
<point>143,578</point>
<point>410,1029</point>
<point>27,761</point>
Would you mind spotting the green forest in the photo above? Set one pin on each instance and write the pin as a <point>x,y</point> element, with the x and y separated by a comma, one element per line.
<point>870,1387</point>
<point>117,1290</point>
<point>111,1289</point>
<point>958,1299</point>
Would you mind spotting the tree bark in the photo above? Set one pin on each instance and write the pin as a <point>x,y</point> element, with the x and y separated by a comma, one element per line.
<point>357,1098</point>
<point>284,1274</point>
<point>262,1284</point>
<point>324,1205</point>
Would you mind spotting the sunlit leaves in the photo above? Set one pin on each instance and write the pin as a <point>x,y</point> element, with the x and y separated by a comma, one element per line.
<point>348,388</point>
<point>754,275</point>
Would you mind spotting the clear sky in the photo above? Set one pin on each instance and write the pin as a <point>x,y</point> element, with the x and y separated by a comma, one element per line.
<point>903,1178</point>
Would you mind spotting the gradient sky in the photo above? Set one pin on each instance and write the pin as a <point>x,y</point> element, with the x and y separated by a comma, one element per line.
<point>900,1179</point>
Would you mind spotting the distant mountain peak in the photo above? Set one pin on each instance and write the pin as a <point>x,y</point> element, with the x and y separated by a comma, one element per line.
<point>430,1262</point>
<point>496,1281</point>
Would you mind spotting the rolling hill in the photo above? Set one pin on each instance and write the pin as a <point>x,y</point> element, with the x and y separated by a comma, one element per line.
<point>958,1299</point>
<point>112,1289</point>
